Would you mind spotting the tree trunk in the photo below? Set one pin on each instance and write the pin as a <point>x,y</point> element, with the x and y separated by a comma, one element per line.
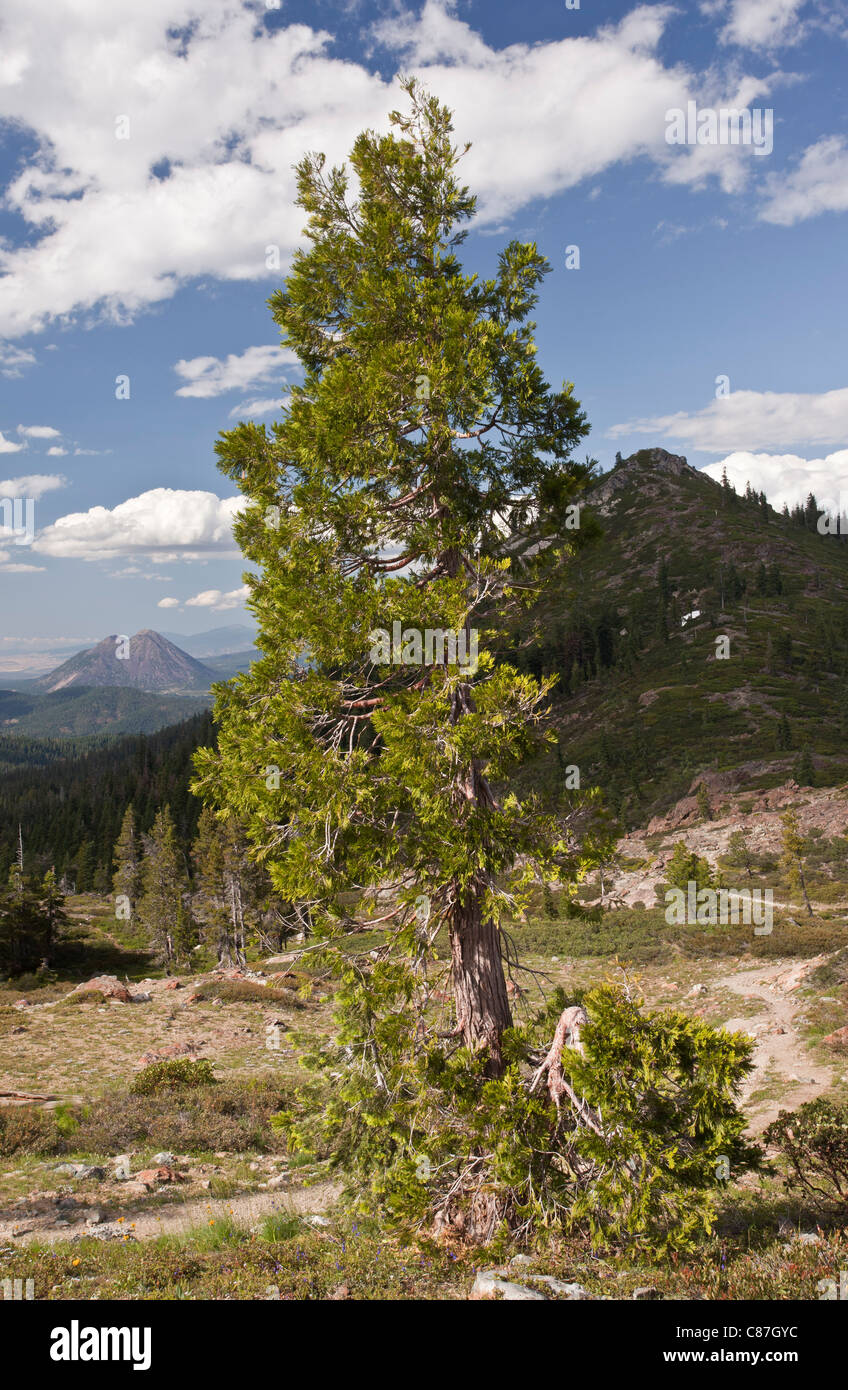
<point>479,987</point>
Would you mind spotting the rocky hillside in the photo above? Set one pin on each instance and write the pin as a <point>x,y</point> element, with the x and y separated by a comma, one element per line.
<point>702,630</point>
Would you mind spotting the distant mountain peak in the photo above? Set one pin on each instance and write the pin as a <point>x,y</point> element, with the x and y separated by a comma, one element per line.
<point>148,661</point>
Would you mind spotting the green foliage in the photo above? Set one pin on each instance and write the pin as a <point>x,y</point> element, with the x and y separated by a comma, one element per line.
<point>32,917</point>
<point>814,1142</point>
<point>434,1141</point>
<point>164,910</point>
<point>685,867</point>
<point>172,1075</point>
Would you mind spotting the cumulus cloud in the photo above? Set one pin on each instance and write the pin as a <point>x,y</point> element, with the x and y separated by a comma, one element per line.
<point>218,108</point>
<point>818,183</point>
<point>212,376</point>
<point>39,432</point>
<point>216,600</point>
<point>752,420</point>
<point>788,478</point>
<point>168,603</point>
<point>32,485</point>
<point>759,23</point>
<point>56,451</point>
<point>164,524</point>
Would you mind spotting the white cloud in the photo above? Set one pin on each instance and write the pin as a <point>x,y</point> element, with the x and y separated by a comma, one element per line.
<point>752,420</point>
<point>56,451</point>
<point>760,23</point>
<point>818,183</point>
<point>168,603</point>
<point>251,410</point>
<point>39,432</point>
<point>32,485</point>
<point>13,359</point>
<point>788,478</point>
<point>164,524</point>
<point>216,600</point>
<point>222,108</point>
<point>212,376</point>
<point>8,446</point>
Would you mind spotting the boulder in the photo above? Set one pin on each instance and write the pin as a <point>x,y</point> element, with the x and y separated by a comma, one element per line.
<point>489,1283</point>
<point>107,985</point>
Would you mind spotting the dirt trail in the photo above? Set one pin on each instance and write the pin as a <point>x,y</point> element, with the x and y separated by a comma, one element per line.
<point>782,1052</point>
<point>244,1210</point>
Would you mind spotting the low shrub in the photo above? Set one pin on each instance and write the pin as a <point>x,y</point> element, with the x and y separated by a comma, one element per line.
<point>177,1073</point>
<point>814,1142</point>
<point>25,1129</point>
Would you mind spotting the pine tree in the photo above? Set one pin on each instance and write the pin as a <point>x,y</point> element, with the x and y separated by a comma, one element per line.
<point>738,854</point>
<point>792,858</point>
<point>162,912</point>
<point>126,880</point>
<point>804,770</point>
<point>227,885</point>
<point>421,475</point>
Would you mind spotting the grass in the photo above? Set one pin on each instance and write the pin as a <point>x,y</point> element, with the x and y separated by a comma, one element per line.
<point>748,1258</point>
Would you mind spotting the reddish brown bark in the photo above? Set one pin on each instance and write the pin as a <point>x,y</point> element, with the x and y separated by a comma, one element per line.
<point>479,987</point>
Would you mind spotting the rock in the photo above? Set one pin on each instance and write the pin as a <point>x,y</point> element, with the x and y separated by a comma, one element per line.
<point>121,1167</point>
<point>696,989</point>
<point>644,1294</point>
<point>107,985</point>
<point>837,1039</point>
<point>70,1170</point>
<point>164,1159</point>
<point>341,1292</point>
<point>94,1217</point>
<point>314,1219</point>
<point>279,1180</point>
<point>575,1292</point>
<point>149,1176</point>
<point>174,984</point>
<point>808,1238</point>
<point>523,1260</point>
<point>489,1283</point>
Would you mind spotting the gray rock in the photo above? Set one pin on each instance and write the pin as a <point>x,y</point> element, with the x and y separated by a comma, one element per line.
<point>575,1292</point>
<point>489,1282</point>
<point>164,1160</point>
<point>642,1295</point>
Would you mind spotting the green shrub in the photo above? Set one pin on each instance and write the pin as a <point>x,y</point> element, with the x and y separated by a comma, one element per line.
<point>632,1154</point>
<point>814,1142</point>
<point>177,1073</point>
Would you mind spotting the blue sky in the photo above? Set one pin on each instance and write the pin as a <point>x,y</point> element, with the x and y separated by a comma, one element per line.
<point>145,162</point>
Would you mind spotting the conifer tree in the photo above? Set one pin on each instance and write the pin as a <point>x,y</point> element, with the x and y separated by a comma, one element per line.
<point>421,475</point>
<point>126,880</point>
<point>162,910</point>
<point>792,858</point>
